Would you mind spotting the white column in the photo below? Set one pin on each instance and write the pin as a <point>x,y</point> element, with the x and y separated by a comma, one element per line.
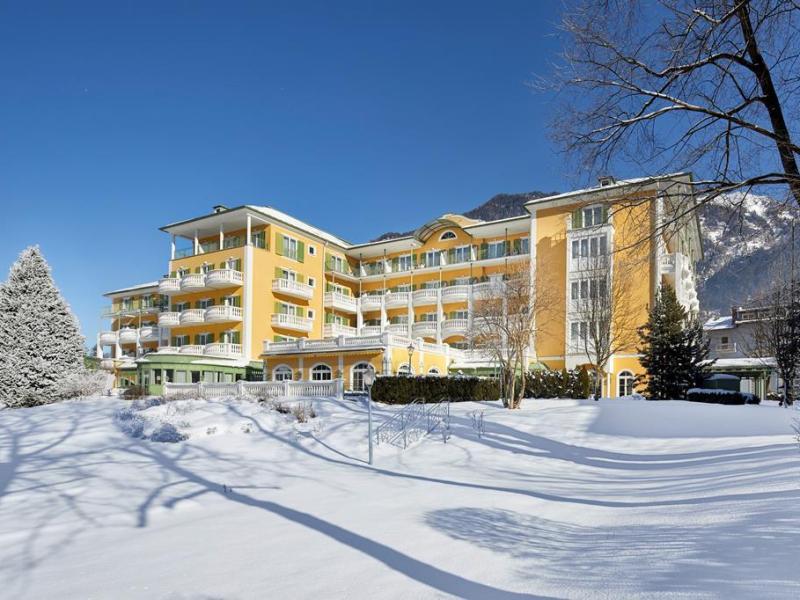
<point>383,313</point>
<point>410,313</point>
<point>221,237</point>
<point>359,316</point>
<point>249,241</point>
<point>172,247</point>
<point>301,366</point>
<point>439,311</point>
<point>247,304</point>
<point>196,243</point>
<point>341,365</point>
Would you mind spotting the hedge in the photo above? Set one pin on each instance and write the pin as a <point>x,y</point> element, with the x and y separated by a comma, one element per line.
<point>558,384</point>
<point>403,389</point>
<point>717,396</point>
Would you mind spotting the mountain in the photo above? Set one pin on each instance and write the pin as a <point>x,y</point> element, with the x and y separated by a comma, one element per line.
<point>500,206</point>
<point>744,236</point>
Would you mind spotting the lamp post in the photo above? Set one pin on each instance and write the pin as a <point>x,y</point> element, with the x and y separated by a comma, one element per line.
<point>410,354</point>
<point>369,379</point>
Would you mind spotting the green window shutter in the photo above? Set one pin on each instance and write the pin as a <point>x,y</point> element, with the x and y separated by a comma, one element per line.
<point>484,250</point>
<point>278,308</point>
<point>173,274</point>
<point>301,251</point>
<point>413,260</point>
<point>278,273</point>
<point>328,318</point>
<point>211,302</point>
<point>278,244</point>
<point>237,301</point>
<point>237,264</point>
<point>328,262</point>
<point>395,264</point>
<point>210,338</point>
<point>236,337</point>
<point>174,341</point>
<point>301,278</point>
<point>197,339</point>
<point>517,246</point>
<point>577,218</point>
<point>605,214</point>
<point>197,269</point>
<point>451,255</point>
<point>300,311</point>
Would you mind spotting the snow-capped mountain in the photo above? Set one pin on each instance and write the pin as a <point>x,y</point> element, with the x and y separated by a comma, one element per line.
<point>744,236</point>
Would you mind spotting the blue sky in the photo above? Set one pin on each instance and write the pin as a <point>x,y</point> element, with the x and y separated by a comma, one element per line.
<point>115,120</point>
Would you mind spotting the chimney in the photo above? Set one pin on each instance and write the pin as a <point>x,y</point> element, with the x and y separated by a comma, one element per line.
<point>220,208</point>
<point>606,180</point>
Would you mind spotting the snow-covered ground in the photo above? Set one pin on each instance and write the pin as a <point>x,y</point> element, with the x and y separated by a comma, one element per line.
<point>616,499</point>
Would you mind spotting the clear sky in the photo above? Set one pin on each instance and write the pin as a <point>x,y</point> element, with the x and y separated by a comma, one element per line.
<point>358,117</point>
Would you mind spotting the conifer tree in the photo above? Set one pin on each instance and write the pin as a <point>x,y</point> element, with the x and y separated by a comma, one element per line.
<point>674,351</point>
<point>40,342</point>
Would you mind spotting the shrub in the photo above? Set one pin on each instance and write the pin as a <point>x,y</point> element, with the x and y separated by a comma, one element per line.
<point>167,433</point>
<point>557,384</point>
<point>133,393</point>
<point>717,396</point>
<point>403,389</point>
<point>86,383</point>
<point>303,411</point>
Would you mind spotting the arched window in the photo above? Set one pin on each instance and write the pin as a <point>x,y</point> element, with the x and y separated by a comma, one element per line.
<point>357,376</point>
<point>625,383</point>
<point>282,373</point>
<point>403,369</point>
<point>433,371</point>
<point>447,235</point>
<point>321,373</point>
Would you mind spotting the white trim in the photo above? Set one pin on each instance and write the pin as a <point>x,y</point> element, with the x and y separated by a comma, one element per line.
<point>282,366</point>
<point>247,303</point>
<point>353,370</point>
<point>630,374</point>
<point>319,364</point>
<point>452,233</point>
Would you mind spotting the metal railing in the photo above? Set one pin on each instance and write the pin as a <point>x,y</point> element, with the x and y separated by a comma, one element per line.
<point>413,422</point>
<point>333,388</point>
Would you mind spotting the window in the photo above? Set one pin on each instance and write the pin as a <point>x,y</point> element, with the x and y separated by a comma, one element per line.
<point>403,263</point>
<point>335,263</point>
<point>578,331</point>
<point>724,339</point>
<point>195,376</point>
<point>357,376</point>
<point>592,216</point>
<point>312,250</point>
<point>403,369</point>
<point>312,282</point>
<point>590,246</point>
<point>180,376</point>
<point>205,303</point>
<point>585,288</point>
<point>460,254</point>
<point>432,285</point>
<point>290,247</point>
<point>169,375</point>
<point>282,373</point>
<point>204,338</point>
<point>496,250</point>
<point>432,258</point>
<point>321,373</point>
<point>310,313</point>
<point>433,371</point>
<point>447,235</point>
<point>625,382</point>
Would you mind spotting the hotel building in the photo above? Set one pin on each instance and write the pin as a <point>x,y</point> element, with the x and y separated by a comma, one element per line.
<point>251,292</point>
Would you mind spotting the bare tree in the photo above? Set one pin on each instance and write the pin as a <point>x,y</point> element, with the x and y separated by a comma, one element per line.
<point>603,312</point>
<point>504,325</point>
<point>682,85</point>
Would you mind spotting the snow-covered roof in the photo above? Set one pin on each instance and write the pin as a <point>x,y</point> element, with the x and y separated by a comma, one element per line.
<point>740,363</point>
<point>719,323</point>
<point>133,288</point>
<point>603,188</point>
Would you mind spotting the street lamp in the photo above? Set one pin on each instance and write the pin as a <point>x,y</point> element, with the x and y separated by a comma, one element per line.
<point>369,379</point>
<point>410,354</point>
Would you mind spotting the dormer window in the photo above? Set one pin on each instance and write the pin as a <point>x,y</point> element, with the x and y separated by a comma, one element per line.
<point>447,235</point>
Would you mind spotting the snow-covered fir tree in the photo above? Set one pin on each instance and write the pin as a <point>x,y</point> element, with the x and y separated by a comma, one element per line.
<point>40,343</point>
<point>674,349</point>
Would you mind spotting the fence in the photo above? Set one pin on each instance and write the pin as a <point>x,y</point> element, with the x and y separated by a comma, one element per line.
<point>261,389</point>
<point>413,422</point>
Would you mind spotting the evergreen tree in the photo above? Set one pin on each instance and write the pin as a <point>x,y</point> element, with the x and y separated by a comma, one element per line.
<point>674,351</point>
<point>40,343</point>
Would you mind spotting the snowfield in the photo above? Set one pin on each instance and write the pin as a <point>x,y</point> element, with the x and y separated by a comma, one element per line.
<point>564,499</point>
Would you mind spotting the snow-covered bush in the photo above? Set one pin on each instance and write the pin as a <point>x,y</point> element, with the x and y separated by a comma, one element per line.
<point>133,392</point>
<point>303,411</point>
<point>40,342</point>
<point>86,383</point>
<point>130,422</point>
<point>167,433</point>
<point>715,396</point>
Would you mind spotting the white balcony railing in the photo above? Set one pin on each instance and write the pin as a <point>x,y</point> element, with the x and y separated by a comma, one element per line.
<point>128,335</point>
<point>294,322</point>
<point>724,348</point>
<point>426,296</point>
<point>168,349</point>
<point>341,301</point>
<point>192,316</point>
<point>453,327</point>
<point>371,330</point>
<point>148,333</point>
<point>220,278</point>
<point>332,330</point>
<point>394,299</point>
<point>195,281</point>
<point>292,288</point>
<point>221,313</point>
<point>191,349</point>
<point>169,319</point>
<point>371,301</point>
<point>455,293</point>
<point>223,349</point>
<point>169,285</point>
<point>397,328</point>
<point>108,338</point>
<point>424,329</point>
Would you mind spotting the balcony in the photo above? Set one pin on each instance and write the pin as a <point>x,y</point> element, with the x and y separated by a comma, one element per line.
<point>293,322</point>
<point>109,364</point>
<point>222,313</point>
<point>193,283</point>
<point>292,288</point>
<point>108,338</point>
<point>398,328</point>
<point>168,349</point>
<point>424,329</point>
<point>371,301</point>
<point>455,293</point>
<point>222,278</point>
<point>224,350</point>
<point>371,330</point>
<point>169,286</point>
<point>341,302</point>
<point>128,335</point>
<point>725,348</point>
<point>148,333</point>
<point>426,296</point>
<point>169,319</point>
<point>454,327</point>
<point>397,299</point>
<point>332,330</point>
<point>193,316</point>
<point>487,289</point>
<point>191,349</point>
